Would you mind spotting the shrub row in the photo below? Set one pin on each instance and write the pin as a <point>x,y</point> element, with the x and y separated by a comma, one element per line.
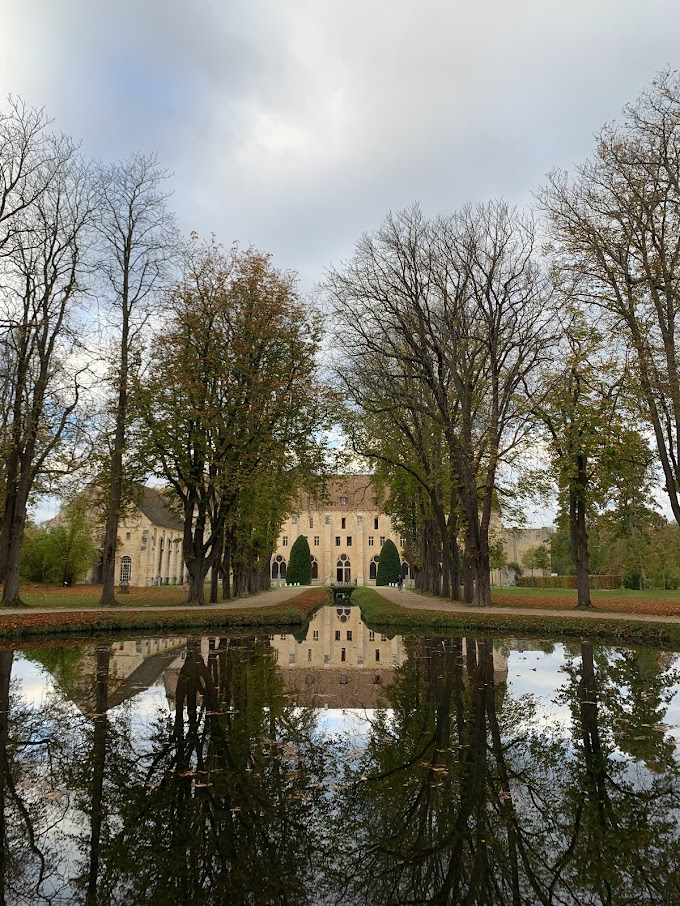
<point>606,583</point>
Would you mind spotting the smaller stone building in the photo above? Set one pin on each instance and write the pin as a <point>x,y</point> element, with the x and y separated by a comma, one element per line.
<point>150,543</point>
<point>149,548</point>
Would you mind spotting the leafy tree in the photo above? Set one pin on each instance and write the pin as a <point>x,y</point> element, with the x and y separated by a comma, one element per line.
<point>63,552</point>
<point>615,228</point>
<point>497,556</point>
<point>231,392</point>
<point>389,565</point>
<point>300,563</point>
<point>597,451</point>
<point>537,557</point>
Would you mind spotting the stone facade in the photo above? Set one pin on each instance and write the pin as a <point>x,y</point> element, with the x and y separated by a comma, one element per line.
<point>149,548</point>
<point>345,531</point>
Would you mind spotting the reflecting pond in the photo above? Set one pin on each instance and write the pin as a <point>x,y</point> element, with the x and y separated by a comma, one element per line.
<point>350,768</point>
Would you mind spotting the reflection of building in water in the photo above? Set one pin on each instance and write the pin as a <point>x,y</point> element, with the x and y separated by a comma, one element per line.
<point>340,664</point>
<point>344,664</point>
<point>133,667</point>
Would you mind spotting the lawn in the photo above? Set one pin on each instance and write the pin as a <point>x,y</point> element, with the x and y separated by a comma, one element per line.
<point>653,602</point>
<point>380,614</point>
<point>81,620</point>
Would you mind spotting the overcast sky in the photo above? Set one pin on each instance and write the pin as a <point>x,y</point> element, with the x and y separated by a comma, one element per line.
<point>296,125</point>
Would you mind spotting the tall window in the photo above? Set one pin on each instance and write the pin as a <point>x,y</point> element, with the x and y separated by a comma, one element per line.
<point>284,541</point>
<point>311,522</point>
<point>337,540</point>
<point>382,540</point>
<point>343,523</point>
<point>344,570</point>
<point>317,540</point>
<point>125,570</point>
<point>278,567</point>
<point>375,523</point>
<point>343,501</point>
<point>349,541</point>
<point>373,568</point>
<point>371,539</point>
<point>315,568</point>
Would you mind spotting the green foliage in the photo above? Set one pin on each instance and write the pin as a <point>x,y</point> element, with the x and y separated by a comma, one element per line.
<point>389,567</point>
<point>300,563</point>
<point>516,568</point>
<point>497,555</point>
<point>60,554</point>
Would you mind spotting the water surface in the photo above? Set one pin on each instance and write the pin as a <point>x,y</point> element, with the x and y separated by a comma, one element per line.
<point>351,767</point>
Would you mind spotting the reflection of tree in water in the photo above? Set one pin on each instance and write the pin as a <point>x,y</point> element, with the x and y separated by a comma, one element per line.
<point>28,797</point>
<point>461,797</point>
<point>624,836</point>
<point>221,810</point>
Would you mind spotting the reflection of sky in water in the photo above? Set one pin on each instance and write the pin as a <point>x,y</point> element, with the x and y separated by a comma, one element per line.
<point>542,682</point>
<point>530,672</point>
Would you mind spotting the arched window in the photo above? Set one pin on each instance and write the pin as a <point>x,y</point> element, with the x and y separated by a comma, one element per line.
<point>373,568</point>
<point>125,570</point>
<point>278,567</point>
<point>406,571</point>
<point>344,571</point>
<point>315,568</point>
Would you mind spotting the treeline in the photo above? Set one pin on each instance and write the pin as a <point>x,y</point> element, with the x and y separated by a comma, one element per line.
<point>126,350</point>
<point>490,354</point>
<point>484,355</point>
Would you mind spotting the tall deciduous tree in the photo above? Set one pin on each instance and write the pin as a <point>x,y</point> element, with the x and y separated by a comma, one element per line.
<point>592,436</point>
<point>231,391</point>
<point>457,317</point>
<point>616,226</point>
<point>137,236</point>
<point>44,257</point>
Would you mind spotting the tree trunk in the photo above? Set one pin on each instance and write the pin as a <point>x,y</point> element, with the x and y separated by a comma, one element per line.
<point>115,492</point>
<point>578,534</point>
<point>10,591</point>
<point>226,571</point>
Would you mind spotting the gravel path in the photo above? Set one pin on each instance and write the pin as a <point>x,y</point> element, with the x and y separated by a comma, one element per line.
<point>414,601</point>
<point>264,599</point>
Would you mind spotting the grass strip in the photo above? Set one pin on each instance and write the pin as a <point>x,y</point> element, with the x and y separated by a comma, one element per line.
<point>379,613</point>
<point>294,613</point>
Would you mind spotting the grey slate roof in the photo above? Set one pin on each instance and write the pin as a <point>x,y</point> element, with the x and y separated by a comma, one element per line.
<point>153,505</point>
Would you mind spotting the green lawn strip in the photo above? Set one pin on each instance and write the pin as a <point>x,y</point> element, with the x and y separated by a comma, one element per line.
<point>379,613</point>
<point>293,614</point>
<point>171,597</point>
<point>631,594</point>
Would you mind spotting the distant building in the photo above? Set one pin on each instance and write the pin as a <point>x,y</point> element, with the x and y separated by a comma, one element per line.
<point>345,531</point>
<point>517,541</point>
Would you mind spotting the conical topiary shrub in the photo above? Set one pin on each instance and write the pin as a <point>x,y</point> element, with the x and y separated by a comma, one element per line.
<point>300,563</point>
<point>389,565</point>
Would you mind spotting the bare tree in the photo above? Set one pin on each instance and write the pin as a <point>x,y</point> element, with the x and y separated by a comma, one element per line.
<point>43,275</point>
<point>455,318</point>
<point>138,239</point>
<point>30,157</point>
<point>616,227</point>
